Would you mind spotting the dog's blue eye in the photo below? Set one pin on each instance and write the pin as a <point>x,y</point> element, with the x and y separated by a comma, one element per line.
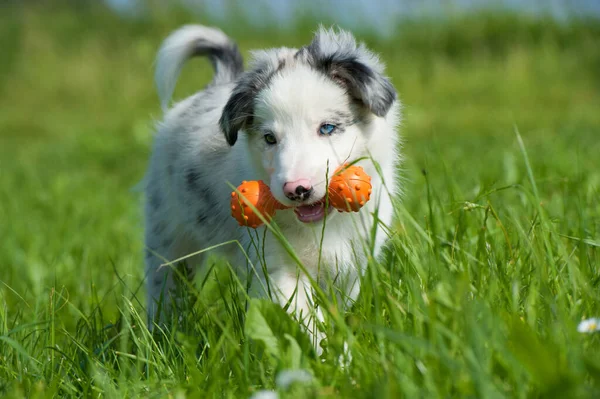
<point>326,129</point>
<point>270,139</point>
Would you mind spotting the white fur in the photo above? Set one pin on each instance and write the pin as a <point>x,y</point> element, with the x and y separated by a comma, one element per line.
<point>293,104</point>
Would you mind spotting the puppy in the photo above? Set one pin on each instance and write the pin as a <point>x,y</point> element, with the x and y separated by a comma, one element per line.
<point>291,119</point>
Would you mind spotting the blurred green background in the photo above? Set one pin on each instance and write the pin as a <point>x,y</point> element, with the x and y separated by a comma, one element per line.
<point>77,108</point>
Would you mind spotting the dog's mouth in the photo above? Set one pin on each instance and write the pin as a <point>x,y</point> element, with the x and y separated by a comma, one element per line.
<point>313,212</point>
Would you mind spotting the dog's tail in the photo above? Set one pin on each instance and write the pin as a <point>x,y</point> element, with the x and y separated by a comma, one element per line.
<point>190,41</point>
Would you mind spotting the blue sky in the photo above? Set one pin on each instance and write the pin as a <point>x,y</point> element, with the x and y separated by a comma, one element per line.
<point>378,14</point>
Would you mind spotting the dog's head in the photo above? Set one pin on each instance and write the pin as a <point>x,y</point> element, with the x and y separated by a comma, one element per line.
<point>305,112</point>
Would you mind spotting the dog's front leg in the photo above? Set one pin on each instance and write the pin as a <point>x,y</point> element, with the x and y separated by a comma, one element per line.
<point>166,288</point>
<point>293,291</point>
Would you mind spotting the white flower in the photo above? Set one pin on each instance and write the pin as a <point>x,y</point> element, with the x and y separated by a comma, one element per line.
<point>589,325</point>
<point>287,377</point>
<point>265,394</point>
<point>283,381</point>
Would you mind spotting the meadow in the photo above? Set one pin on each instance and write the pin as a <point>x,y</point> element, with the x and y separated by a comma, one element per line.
<point>492,263</point>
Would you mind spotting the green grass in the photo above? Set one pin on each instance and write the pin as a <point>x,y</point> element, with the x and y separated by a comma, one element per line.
<point>493,262</point>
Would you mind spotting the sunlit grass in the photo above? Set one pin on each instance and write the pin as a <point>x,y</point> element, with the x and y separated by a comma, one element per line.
<point>492,264</point>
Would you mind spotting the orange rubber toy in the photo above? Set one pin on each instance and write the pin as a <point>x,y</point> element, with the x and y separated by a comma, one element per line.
<point>349,190</point>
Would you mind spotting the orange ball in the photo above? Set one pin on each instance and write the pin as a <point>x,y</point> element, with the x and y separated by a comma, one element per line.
<point>258,194</point>
<point>349,189</point>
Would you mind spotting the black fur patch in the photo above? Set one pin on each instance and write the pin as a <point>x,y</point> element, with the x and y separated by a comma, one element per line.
<point>159,228</point>
<point>159,279</point>
<point>192,177</point>
<point>345,68</point>
<point>230,56</point>
<point>155,201</point>
<point>202,218</point>
<point>342,119</point>
<point>227,58</point>
<point>199,191</point>
<point>239,110</point>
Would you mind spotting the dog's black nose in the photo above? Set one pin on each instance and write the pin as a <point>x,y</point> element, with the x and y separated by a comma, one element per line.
<point>299,190</point>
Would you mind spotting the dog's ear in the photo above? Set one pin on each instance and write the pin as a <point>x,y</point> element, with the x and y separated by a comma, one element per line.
<point>354,67</point>
<point>238,113</point>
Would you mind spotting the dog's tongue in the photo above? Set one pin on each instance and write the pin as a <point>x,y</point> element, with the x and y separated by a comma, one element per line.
<point>310,213</point>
